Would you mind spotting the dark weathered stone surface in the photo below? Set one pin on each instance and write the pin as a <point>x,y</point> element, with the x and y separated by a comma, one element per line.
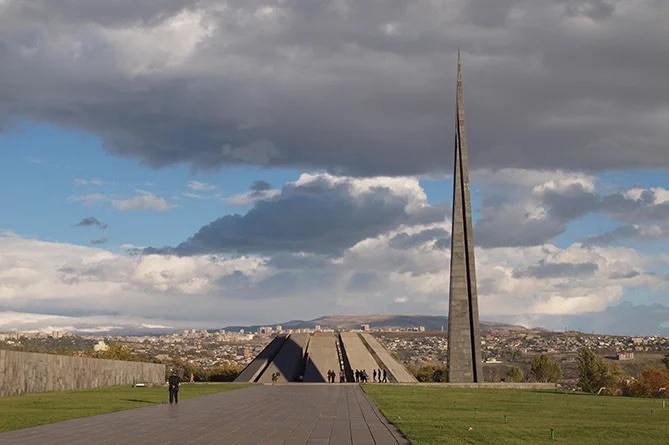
<point>312,355</point>
<point>321,356</point>
<point>289,362</point>
<point>464,337</point>
<point>357,354</point>
<point>281,414</point>
<point>398,373</point>
<point>255,369</point>
<point>23,372</point>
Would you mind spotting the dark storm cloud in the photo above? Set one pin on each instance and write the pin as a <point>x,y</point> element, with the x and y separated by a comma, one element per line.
<point>594,9</point>
<point>556,270</point>
<point>505,224</point>
<point>287,260</point>
<point>624,275</point>
<point>611,236</point>
<point>363,281</point>
<point>635,210</point>
<point>260,186</point>
<point>507,221</point>
<point>646,217</point>
<point>404,241</point>
<point>358,87</point>
<point>646,232</point>
<point>571,202</point>
<point>91,222</point>
<point>320,214</point>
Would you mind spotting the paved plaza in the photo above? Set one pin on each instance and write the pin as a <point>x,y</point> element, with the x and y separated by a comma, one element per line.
<point>280,414</point>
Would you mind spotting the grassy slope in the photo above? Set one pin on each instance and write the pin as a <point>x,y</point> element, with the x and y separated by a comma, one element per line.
<point>41,408</point>
<point>443,416</point>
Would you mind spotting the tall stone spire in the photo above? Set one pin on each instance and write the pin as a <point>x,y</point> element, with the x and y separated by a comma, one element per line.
<point>464,334</point>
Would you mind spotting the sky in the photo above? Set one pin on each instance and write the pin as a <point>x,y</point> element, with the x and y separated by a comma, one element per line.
<point>201,163</point>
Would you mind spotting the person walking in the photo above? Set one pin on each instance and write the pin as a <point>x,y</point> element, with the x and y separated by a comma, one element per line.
<point>341,376</point>
<point>385,376</point>
<point>357,376</point>
<point>173,382</point>
<point>374,375</point>
<point>379,374</point>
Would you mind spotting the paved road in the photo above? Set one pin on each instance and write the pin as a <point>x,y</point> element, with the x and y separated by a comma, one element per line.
<point>281,414</point>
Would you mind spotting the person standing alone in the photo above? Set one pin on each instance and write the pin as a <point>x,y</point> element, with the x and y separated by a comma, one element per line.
<point>173,382</point>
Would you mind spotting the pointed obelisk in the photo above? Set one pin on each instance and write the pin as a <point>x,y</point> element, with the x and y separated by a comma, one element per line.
<point>464,334</point>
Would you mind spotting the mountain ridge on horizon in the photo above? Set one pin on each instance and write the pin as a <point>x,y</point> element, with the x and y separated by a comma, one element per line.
<point>343,321</point>
<point>623,319</point>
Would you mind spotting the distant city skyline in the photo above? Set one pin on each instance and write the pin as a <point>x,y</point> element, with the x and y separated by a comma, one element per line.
<point>182,165</point>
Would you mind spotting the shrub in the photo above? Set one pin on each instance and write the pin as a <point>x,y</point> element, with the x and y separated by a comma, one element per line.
<point>514,375</point>
<point>223,373</point>
<point>545,369</point>
<point>430,372</point>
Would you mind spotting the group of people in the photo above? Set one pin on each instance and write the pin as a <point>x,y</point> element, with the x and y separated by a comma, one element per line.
<point>332,375</point>
<point>380,376</point>
<point>361,376</point>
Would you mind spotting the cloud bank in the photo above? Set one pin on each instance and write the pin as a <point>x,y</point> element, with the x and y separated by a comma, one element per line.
<point>332,244</point>
<point>362,88</point>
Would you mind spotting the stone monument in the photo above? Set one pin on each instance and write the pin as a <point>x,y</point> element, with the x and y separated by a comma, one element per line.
<point>464,335</point>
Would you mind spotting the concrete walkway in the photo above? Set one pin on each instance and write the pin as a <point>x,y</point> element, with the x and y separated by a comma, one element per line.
<point>281,414</point>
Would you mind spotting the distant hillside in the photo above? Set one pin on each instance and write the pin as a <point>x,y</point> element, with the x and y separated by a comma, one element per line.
<point>430,322</point>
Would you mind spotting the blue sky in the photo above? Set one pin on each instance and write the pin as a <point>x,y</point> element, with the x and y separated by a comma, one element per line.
<point>44,165</point>
<point>41,167</point>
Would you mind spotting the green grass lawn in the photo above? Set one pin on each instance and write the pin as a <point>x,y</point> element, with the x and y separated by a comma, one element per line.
<point>50,407</point>
<point>429,415</point>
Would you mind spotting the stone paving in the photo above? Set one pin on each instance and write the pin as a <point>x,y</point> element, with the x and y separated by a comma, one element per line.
<point>280,414</point>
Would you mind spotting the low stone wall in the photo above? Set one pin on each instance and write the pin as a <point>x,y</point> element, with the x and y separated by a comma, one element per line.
<point>24,372</point>
<point>491,385</point>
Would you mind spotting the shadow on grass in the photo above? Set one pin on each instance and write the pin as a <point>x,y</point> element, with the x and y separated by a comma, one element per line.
<point>151,402</point>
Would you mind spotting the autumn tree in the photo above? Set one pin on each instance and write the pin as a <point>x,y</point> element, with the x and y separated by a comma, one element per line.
<point>653,382</point>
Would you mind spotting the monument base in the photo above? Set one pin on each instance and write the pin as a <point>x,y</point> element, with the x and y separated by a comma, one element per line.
<point>490,385</point>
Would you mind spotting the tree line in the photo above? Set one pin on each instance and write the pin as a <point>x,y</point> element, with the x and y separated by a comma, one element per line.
<point>595,375</point>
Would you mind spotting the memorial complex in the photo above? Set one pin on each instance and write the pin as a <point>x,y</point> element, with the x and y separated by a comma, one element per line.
<point>307,357</point>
